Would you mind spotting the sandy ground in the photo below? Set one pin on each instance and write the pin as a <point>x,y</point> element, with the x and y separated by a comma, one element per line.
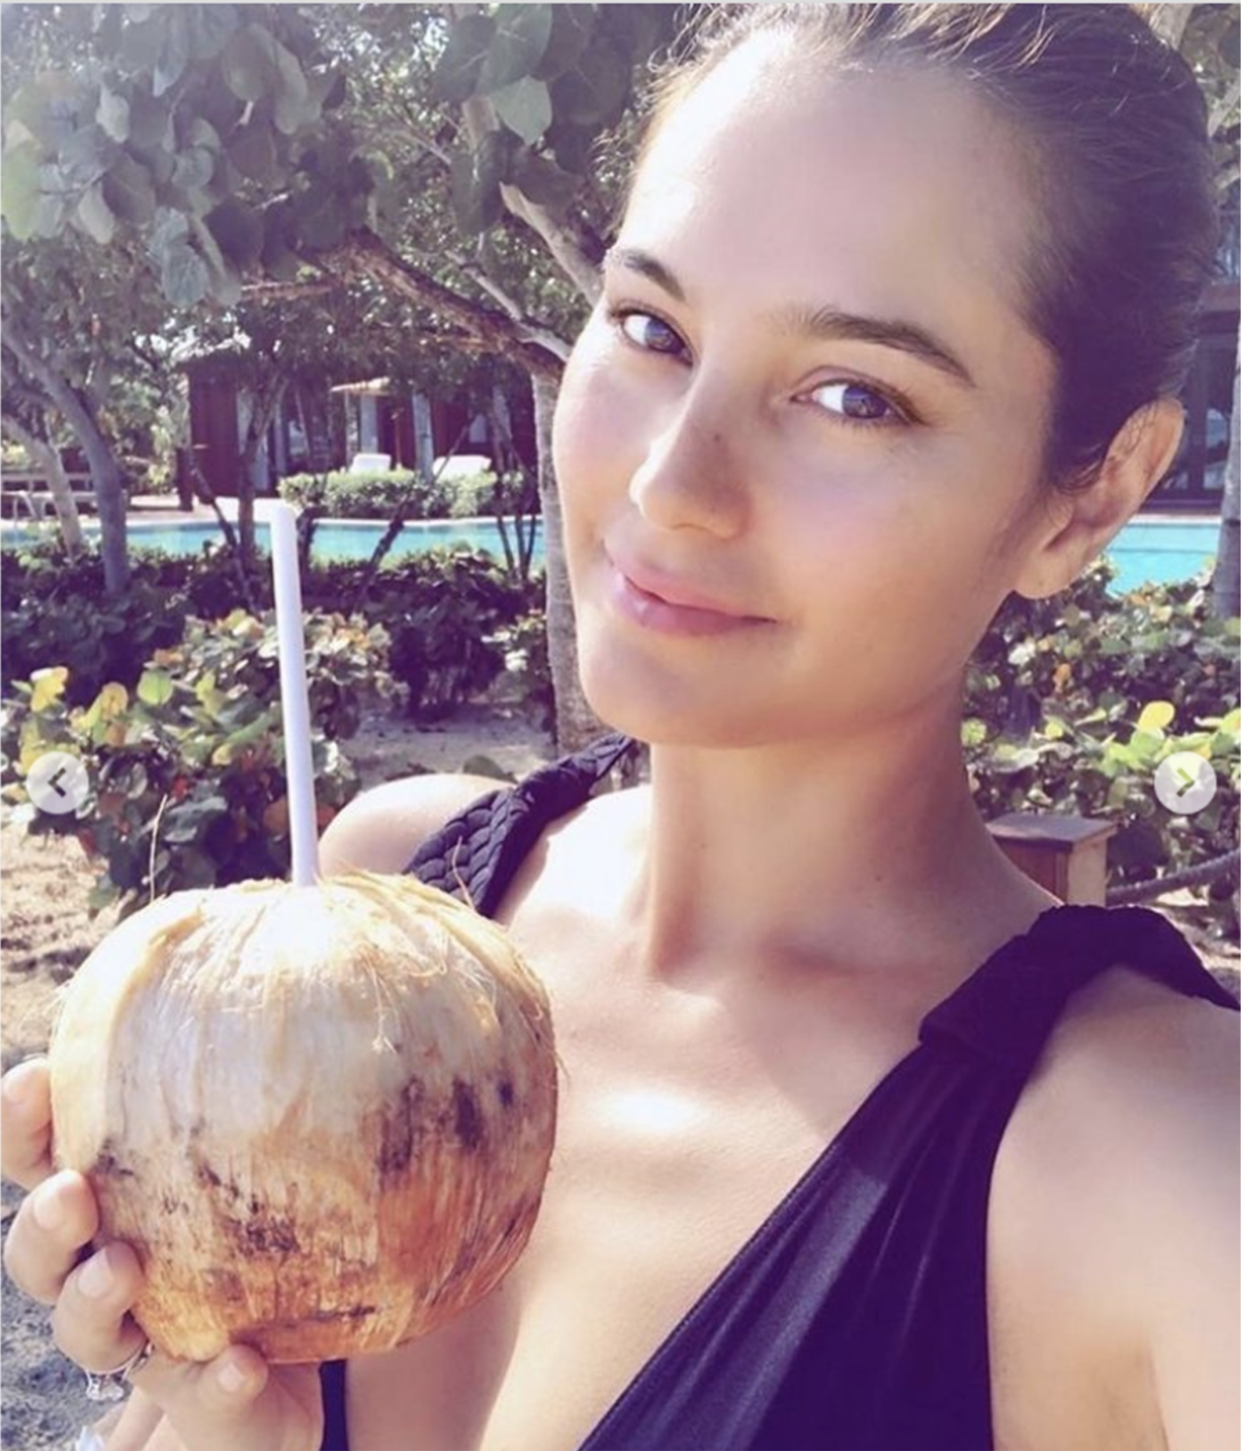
<point>47,933</point>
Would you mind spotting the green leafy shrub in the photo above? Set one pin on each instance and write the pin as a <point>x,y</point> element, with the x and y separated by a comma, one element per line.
<point>187,770</point>
<point>443,610</point>
<point>1072,702</point>
<point>54,611</point>
<point>377,495</point>
<point>524,645</point>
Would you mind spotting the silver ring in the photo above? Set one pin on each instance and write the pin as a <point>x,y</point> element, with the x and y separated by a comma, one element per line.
<point>110,1385</point>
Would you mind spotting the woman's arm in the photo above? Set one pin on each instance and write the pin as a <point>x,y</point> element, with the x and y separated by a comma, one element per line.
<point>1188,1267</point>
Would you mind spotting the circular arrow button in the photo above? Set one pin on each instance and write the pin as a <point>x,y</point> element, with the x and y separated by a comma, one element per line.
<point>58,782</point>
<point>1185,783</point>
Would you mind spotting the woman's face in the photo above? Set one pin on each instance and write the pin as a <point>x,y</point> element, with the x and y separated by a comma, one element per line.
<point>850,507</point>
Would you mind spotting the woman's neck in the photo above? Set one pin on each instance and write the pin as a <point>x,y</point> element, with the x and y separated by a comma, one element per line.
<point>864,851</point>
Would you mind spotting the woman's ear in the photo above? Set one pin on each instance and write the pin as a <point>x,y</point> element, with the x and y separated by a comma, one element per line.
<point>1077,527</point>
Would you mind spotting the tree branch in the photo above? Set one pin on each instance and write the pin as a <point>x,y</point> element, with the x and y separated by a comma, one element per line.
<point>1222,107</point>
<point>566,247</point>
<point>530,345</point>
<point>1169,21</point>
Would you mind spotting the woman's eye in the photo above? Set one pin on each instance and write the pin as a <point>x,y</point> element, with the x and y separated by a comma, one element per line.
<point>858,403</point>
<point>644,330</point>
<point>855,404</point>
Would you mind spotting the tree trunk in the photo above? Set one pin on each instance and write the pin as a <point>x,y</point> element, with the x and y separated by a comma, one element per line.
<point>107,480</point>
<point>1225,577</point>
<point>263,405</point>
<point>576,722</point>
<point>44,456</point>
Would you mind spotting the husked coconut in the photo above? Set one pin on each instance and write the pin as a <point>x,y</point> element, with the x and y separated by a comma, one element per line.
<point>322,1115</point>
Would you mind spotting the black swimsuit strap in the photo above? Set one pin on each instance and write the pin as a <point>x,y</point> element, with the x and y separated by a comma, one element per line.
<point>1006,1009</point>
<point>476,853</point>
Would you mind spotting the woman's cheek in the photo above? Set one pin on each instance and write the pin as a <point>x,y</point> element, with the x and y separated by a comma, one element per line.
<point>597,431</point>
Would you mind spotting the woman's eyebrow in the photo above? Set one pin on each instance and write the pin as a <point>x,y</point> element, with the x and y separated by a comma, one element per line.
<point>827,323</point>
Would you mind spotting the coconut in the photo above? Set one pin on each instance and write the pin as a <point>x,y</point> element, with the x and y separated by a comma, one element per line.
<point>322,1115</point>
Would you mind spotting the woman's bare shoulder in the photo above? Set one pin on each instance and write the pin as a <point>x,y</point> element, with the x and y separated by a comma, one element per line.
<point>382,828</point>
<point>1126,1134</point>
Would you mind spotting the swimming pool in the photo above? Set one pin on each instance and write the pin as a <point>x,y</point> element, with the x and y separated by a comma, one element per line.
<point>1147,550</point>
<point>334,539</point>
<point>1160,551</point>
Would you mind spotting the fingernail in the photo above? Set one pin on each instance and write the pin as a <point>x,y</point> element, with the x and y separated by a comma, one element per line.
<point>49,1207</point>
<point>229,1378</point>
<point>95,1278</point>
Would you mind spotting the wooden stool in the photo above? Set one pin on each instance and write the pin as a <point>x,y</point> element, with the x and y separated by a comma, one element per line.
<point>1066,855</point>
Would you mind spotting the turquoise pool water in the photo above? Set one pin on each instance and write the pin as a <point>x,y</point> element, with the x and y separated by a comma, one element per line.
<point>338,540</point>
<point>1147,550</point>
<point>1160,551</point>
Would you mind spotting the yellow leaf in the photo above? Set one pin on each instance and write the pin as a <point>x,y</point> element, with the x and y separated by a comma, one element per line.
<point>1156,716</point>
<point>49,686</point>
<point>111,701</point>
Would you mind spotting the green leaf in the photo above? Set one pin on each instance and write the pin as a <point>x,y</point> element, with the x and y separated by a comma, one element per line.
<point>155,688</point>
<point>193,168</point>
<point>239,232</point>
<point>571,145</point>
<point>572,26</point>
<point>141,44</point>
<point>294,107</point>
<point>520,39</point>
<point>112,113</point>
<point>96,216</point>
<point>525,107</point>
<point>174,50</point>
<point>186,821</point>
<point>169,226</point>
<point>252,150</point>
<point>47,108</point>
<point>128,191</point>
<point>20,192</point>
<point>200,132</point>
<point>248,63</point>
<point>209,29</point>
<point>278,257</point>
<point>458,69</point>
<point>183,275</point>
<point>1231,45</point>
<point>85,156</point>
<point>595,87</point>
<point>475,178</point>
<point>149,122</point>
<point>544,182</point>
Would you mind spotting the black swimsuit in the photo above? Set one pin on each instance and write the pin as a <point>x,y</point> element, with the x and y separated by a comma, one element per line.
<point>855,1318</point>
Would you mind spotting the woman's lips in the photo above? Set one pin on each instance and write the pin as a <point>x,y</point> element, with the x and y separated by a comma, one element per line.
<point>646,608</point>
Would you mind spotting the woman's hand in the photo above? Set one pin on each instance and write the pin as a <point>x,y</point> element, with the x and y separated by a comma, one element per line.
<point>236,1402</point>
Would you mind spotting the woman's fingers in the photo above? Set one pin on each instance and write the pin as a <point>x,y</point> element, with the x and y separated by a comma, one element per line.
<point>237,1402</point>
<point>55,1221</point>
<point>26,1123</point>
<point>91,1323</point>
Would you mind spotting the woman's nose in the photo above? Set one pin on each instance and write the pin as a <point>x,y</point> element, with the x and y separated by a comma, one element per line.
<point>691,478</point>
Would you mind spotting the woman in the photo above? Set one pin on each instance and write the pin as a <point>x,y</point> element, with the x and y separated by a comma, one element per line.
<point>894,325</point>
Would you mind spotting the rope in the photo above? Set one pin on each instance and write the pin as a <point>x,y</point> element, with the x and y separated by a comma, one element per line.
<point>1195,876</point>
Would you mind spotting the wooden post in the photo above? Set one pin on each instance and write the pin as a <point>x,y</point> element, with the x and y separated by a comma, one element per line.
<point>1066,855</point>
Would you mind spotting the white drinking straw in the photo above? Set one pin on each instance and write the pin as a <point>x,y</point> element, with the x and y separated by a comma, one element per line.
<point>294,703</point>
